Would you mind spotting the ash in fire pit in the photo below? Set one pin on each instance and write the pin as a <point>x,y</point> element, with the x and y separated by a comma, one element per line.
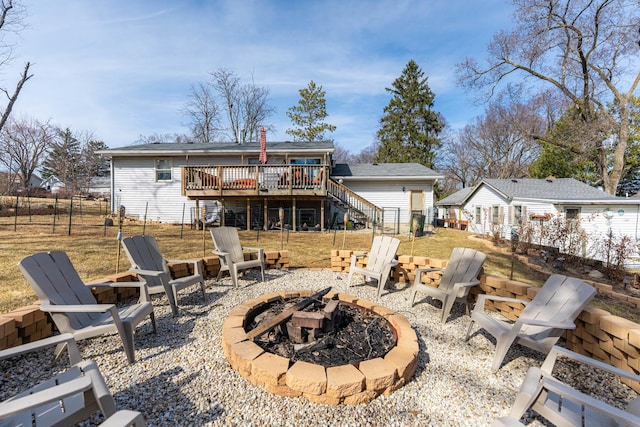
<point>330,333</point>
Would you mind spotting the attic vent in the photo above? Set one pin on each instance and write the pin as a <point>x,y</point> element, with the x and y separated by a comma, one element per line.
<point>374,164</point>
<point>514,180</point>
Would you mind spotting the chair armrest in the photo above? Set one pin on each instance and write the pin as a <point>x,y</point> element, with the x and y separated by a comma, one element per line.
<point>428,270</point>
<point>536,322</point>
<point>74,353</point>
<point>568,393</point>
<point>118,285</point>
<point>153,273</point>
<point>80,308</point>
<point>219,253</point>
<point>547,366</point>
<point>51,394</point>
<point>466,284</point>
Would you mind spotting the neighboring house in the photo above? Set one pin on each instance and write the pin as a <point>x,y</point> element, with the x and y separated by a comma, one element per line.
<point>12,181</point>
<point>99,186</point>
<point>53,184</point>
<point>500,206</point>
<point>172,182</point>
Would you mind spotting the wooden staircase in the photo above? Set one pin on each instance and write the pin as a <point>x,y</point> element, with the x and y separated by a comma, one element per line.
<point>360,209</point>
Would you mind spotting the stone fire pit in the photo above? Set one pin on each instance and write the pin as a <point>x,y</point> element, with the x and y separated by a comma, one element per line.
<point>350,383</point>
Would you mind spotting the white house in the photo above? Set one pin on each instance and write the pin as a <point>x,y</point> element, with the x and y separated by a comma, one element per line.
<point>500,206</point>
<point>53,184</point>
<point>170,182</point>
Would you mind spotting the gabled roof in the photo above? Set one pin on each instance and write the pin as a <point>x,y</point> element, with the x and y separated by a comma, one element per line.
<point>551,190</point>
<point>219,148</point>
<point>386,170</point>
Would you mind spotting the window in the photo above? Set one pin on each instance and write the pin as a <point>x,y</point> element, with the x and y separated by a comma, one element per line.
<point>495,214</point>
<point>572,213</point>
<point>163,170</point>
<point>517,214</point>
<point>478,214</point>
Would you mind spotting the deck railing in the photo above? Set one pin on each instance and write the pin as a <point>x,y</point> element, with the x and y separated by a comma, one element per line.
<point>261,180</point>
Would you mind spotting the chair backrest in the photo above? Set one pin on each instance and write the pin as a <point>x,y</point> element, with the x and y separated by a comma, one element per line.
<point>561,298</point>
<point>144,254</point>
<point>226,239</point>
<point>56,281</point>
<point>383,251</point>
<point>464,265</point>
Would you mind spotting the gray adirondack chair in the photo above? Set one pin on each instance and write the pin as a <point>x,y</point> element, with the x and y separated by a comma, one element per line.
<point>67,398</point>
<point>73,307</point>
<point>543,320</point>
<point>460,275</point>
<point>380,260</point>
<point>147,262</point>
<point>231,253</point>
<point>564,406</point>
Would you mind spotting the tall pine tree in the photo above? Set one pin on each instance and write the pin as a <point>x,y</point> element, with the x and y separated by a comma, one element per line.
<point>308,116</point>
<point>409,130</point>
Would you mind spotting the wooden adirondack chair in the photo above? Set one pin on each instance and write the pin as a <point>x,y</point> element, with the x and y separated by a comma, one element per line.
<point>231,253</point>
<point>380,259</point>
<point>147,262</point>
<point>66,399</point>
<point>566,407</point>
<point>73,307</point>
<point>458,278</point>
<point>543,320</point>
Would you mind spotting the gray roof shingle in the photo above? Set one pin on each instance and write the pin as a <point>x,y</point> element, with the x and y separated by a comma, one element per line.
<point>374,170</point>
<point>218,147</point>
<point>551,189</point>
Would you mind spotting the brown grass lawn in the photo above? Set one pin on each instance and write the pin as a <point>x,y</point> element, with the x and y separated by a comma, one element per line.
<point>93,248</point>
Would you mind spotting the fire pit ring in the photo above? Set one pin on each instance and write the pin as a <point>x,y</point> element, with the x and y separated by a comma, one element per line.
<point>348,384</point>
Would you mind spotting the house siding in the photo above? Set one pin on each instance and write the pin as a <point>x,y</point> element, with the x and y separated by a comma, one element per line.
<point>136,189</point>
<point>390,195</point>
<point>621,220</point>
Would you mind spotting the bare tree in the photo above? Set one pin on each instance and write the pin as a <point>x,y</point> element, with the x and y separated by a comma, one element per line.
<point>587,50</point>
<point>366,155</point>
<point>496,145</point>
<point>246,105</point>
<point>24,145</point>
<point>201,111</point>
<point>177,138</point>
<point>11,21</point>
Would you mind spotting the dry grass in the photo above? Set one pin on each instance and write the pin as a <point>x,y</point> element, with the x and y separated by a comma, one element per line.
<point>93,248</point>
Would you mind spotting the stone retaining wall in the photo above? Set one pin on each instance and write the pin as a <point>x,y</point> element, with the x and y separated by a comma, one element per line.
<point>598,333</point>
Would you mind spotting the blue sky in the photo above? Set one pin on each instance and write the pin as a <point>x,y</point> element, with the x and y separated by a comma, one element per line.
<point>122,69</point>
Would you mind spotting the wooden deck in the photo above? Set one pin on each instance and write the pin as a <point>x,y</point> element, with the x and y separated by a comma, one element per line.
<point>211,182</point>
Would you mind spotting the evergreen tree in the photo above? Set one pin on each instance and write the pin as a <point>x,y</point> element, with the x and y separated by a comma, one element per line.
<point>64,159</point>
<point>409,130</point>
<point>308,116</point>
